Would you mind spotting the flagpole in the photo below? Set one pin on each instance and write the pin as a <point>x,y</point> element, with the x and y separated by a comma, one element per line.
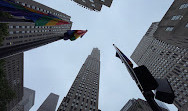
<point>149,96</point>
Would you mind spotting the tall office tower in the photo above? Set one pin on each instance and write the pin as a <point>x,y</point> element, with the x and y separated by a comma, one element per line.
<point>138,105</point>
<point>94,5</point>
<point>184,108</point>
<point>50,103</point>
<point>13,69</point>
<point>173,27</point>
<point>28,99</point>
<point>18,108</point>
<point>83,94</point>
<point>25,35</point>
<point>164,61</point>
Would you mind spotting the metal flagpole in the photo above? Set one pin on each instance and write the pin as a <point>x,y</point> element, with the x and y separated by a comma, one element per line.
<point>149,96</point>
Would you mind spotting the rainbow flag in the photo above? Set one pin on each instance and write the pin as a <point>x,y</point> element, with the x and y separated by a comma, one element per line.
<point>39,18</point>
<point>74,34</point>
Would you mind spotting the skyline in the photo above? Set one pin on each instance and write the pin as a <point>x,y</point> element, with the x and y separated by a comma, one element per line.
<point>46,54</point>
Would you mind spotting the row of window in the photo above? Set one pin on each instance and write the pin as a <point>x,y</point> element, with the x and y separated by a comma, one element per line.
<point>184,6</point>
<point>178,17</point>
<point>92,1</point>
<point>20,41</point>
<point>64,26</point>
<point>34,31</point>
<point>40,9</point>
<point>26,36</point>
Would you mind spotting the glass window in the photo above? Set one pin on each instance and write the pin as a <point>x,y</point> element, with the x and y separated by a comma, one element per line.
<point>178,17</point>
<point>91,1</point>
<point>10,26</point>
<point>186,25</point>
<point>93,5</point>
<point>33,7</point>
<point>23,4</point>
<point>184,6</point>
<point>169,28</point>
<point>11,32</point>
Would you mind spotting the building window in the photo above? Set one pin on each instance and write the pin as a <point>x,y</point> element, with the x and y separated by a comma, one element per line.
<point>10,43</point>
<point>10,27</point>
<point>169,29</point>
<point>186,25</point>
<point>23,4</point>
<point>93,5</point>
<point>33,7</point>
<point>91,1</point>
<point>11,32</point>
<point>178,17</point>
<point>184,6</point>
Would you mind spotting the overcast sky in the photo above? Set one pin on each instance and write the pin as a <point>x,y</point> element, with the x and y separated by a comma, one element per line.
<point>53,67</point>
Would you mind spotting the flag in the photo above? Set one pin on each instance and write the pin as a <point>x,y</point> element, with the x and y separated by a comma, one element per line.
<point>74,34</point>
<point>128,61</point>
<point>38,17</point>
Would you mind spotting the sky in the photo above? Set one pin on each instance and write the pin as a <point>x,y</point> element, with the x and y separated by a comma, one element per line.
<point>53,67</point>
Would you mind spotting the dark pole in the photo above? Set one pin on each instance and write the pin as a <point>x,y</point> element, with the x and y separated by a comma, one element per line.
<point>149,96</point>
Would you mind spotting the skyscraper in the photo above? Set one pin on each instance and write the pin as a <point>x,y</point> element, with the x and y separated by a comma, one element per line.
<point>27,101</point>
<point>164,61</point>
<point>173,27</point>
<point>94,5</point>
<point>83,94</point>
<point>26,35</point>
<point>13,70</point>
<point>50,103</point>
<point>18,108</point>
<point>138,105</point>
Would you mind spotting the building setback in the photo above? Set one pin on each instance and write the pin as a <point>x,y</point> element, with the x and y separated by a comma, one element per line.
<point>94,5</point>
<point>50,103</point>
<point>173,27</point>
<point>18,108</point>
<point>138,105</point>
<point>164,61</point>
<point>13,69</point>
<point>28,99</point>
<point>24,36</point>
<point>83,94</point>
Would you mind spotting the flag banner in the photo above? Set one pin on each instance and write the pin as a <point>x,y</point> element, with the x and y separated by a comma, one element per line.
<point>74,34</point>
<point>129,62</point>
<point>39,18</point>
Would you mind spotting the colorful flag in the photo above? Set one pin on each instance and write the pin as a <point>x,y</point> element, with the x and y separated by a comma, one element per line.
<point>39,18</point>
<point>74,34</point>
<point>129,62</point>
